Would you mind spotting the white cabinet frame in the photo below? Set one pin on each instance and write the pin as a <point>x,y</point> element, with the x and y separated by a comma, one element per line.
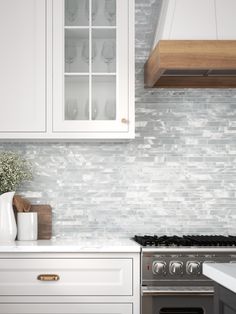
<point>114,131</point>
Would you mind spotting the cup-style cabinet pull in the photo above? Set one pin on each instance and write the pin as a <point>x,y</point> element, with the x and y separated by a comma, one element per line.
<point>48,277</point>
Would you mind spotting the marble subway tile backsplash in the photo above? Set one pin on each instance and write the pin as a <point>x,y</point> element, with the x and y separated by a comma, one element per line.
<point>178,175</point>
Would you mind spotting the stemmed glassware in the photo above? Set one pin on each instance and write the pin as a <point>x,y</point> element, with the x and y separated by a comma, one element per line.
<point>94,110</point>
<point>71,110</point>
<point>70,52</point>
<point>94,9</point>
<point>71,10</point>
<point>110,109</point>
<point>85,51</point>
<point>110,10</point>
<point>108,53</point>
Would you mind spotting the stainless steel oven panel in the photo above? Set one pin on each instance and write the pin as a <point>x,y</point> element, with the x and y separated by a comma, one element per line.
<point>178,290</point>
<point>149,258</point>
<point>156,304</point>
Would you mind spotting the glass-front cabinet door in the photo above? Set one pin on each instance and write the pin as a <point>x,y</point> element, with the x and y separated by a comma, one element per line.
<point>93,68</point>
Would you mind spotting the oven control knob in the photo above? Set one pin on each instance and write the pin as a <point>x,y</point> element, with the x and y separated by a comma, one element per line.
<point>159,268</point>
<point>176,268</point>
<point>193,268</point>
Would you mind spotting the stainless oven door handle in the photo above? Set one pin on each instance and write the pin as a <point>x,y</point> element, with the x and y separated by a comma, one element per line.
<point>178,291</point>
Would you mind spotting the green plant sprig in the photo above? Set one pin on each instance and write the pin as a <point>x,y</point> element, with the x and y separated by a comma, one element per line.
<point>13,171</point>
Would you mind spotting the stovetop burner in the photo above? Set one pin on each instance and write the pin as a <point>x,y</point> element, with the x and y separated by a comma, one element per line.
<point>190,240</point>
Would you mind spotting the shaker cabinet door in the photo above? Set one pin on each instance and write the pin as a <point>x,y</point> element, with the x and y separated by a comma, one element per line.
<point>92,67</point>
<point>76,277</point>
<point>22,66</point>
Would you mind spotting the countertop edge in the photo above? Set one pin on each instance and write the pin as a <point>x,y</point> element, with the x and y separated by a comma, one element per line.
<point>81,246</point>
<point>219,276</point>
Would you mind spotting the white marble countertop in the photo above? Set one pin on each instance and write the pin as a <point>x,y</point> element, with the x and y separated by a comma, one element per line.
<point>222,273</point>
<point>72,246</point>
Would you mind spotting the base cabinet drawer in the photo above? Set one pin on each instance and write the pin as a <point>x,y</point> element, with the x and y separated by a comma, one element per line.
<point>66,277</point>
<point>113,308</point>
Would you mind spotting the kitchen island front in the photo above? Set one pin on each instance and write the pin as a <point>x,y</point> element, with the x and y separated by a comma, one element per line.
<point>224,276</point>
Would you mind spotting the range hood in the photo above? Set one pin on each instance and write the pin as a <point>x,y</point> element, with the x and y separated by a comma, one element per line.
<point>195,45</point>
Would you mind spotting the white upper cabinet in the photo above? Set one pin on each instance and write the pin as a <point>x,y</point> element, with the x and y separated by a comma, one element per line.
<point>23,66</point>
<point>67,69</point>
<point>93,68</point>
<point>226,25</point>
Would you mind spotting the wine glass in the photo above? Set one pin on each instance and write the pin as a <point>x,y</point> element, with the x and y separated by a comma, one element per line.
<point>110,10</point>
<point>85,51</point>
<point>110,109</point>
<point>71,110</point>
<point>86,110</point>
<point>94,110</point>
<point>70,52</point>
<point>108,52</point>
<point>71,10</point>
<point>93,11</point>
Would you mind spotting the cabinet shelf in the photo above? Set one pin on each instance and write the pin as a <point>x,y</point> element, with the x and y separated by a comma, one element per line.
<point>86,74</point>
<point>92,27</point>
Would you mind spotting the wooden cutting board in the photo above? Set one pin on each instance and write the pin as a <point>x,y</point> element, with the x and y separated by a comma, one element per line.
<point>44,221</point>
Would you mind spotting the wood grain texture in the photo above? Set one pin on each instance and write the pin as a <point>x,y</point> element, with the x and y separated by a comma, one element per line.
<point>44,221</point>
<point>191,54</point>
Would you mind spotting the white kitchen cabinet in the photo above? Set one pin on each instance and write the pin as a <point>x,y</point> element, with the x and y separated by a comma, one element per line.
<point>69,283</point>
<point>23,67</point>
<point>67,69</point>
<point>78,277</point>
<point>93,68</point>
<point>66,308</point>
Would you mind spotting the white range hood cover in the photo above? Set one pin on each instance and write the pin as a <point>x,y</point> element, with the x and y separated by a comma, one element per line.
<point>197,20</point>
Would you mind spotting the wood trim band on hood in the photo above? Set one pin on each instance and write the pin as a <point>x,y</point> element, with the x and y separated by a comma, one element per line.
<point>216,60</point>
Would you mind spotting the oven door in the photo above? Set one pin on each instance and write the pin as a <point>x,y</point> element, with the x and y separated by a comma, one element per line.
<point>177,300</point>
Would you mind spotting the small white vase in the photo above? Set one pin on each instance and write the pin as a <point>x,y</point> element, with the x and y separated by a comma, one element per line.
<point>8,228</point>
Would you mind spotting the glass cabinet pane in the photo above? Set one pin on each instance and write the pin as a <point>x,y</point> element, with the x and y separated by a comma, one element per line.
<point>90,60</point>
<point>76,50</point>
<point>104,12</point>
<point>104,47</point>
<point>76,12</point>
<point>76,98</point>
<point>104,98</point>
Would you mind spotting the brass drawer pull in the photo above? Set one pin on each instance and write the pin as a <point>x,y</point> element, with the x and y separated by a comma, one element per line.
<point>51,277</point>
<point>125,121</point>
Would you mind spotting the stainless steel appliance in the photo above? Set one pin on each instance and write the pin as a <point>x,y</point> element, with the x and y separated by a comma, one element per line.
<point>172,279</point>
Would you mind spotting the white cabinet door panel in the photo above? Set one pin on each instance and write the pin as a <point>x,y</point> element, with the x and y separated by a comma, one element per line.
<point>23,65</point>
<point>85,277</point>
<point>66,308</point>
<point>91,92</point>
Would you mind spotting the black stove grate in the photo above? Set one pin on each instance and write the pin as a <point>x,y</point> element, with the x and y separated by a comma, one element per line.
<point>190,240</point>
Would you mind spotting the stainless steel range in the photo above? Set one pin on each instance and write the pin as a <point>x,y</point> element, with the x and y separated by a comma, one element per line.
<point>172,279</point>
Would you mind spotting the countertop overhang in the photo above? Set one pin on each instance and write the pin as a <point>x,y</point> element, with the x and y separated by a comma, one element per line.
<point>72,246</point>
<point>222,273</point>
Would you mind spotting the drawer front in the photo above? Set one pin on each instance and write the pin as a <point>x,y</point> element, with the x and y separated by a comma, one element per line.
<point>66,308</point>
<point>76,277</point>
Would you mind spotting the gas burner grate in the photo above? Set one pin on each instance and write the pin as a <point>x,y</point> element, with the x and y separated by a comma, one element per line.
<point>190,240</point>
